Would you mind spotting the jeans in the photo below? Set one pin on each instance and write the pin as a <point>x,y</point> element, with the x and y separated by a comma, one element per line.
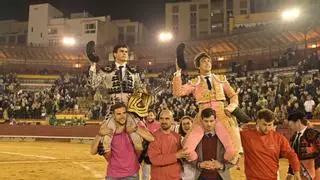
<point>146,168</point>
<point>133,177</point>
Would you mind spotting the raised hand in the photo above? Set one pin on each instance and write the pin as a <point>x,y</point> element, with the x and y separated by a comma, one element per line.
<point>91,53</point>
<point>181,63</point>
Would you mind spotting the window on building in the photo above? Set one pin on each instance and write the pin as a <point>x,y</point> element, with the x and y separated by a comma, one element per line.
<point>131,29</point>
<point>130,39</point>
<point>217,27</point>
<point>243,11</point>
<point>121,37</point>
<point>193,18</point>
<point>2,40</point>
<point>41,35</point>
<point>203,6</point>
<point>203,32</point>
<point>54,42</point>
<point>12,39</point>
<point>22,39</point>
<point>193,8</point>
<point>193,31</point>
<point>52,31</point>
<point>50,42</point>
<point>121,30</point>
<point>90,28</point>
<point>32,29</point>
<point>215,11</point>
<point>243,4</point>
<point>203,19</point>
<point>175,29</point>
<point>175,19</point>
<point>175,9</point>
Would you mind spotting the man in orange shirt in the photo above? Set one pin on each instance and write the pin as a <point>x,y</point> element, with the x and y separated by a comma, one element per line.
<point>263,147</point>
<point>165,151</point>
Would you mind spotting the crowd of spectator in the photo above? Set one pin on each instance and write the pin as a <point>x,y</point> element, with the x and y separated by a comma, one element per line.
<point>18,103</point>
<point>282,92</point>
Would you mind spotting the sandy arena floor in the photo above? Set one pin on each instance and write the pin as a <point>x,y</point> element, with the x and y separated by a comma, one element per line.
<point>62,161</point>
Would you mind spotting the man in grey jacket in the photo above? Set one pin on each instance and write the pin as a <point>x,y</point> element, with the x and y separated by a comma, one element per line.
<point>210,163</point>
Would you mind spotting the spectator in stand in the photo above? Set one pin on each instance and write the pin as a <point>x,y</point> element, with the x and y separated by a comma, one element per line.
<point>279,115</point>
<point>298,79</point>
<point>309,105</point>
<point>262,102</point>
<point>295,107</point>
<point>316,113</point>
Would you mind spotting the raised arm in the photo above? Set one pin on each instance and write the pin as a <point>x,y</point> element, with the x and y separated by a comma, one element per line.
<point>95,77</point>
<point>178,89</point>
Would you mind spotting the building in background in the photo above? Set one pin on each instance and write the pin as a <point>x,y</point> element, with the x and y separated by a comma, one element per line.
<point>200,19</point>
<point>261,6</point>
<point>47,26</point>
<point>131,32</point>
<point>13,32</point>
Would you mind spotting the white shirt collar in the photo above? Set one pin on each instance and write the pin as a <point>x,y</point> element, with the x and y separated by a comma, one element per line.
<point>203,76</point>
<point>303,130</point>
<point>213,133</point>
<point>124,65</point>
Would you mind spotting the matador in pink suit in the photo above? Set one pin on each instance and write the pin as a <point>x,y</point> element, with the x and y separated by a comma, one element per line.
<point>210,90</point>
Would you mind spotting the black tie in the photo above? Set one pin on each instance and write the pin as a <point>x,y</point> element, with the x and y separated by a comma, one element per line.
<point>210,135</point>
<point>296,143</point>
<point>208,82</point>
<point>120,73</point>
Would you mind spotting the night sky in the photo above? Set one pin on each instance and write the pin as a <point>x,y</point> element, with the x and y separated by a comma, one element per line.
<point>150,12</point>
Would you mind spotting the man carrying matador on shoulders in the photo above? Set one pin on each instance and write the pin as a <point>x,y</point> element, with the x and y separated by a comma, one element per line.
<point>122,84</point>
<point>210,91</point>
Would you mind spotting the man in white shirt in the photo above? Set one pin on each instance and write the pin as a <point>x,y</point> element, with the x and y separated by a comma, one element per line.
<point>309,106</point>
